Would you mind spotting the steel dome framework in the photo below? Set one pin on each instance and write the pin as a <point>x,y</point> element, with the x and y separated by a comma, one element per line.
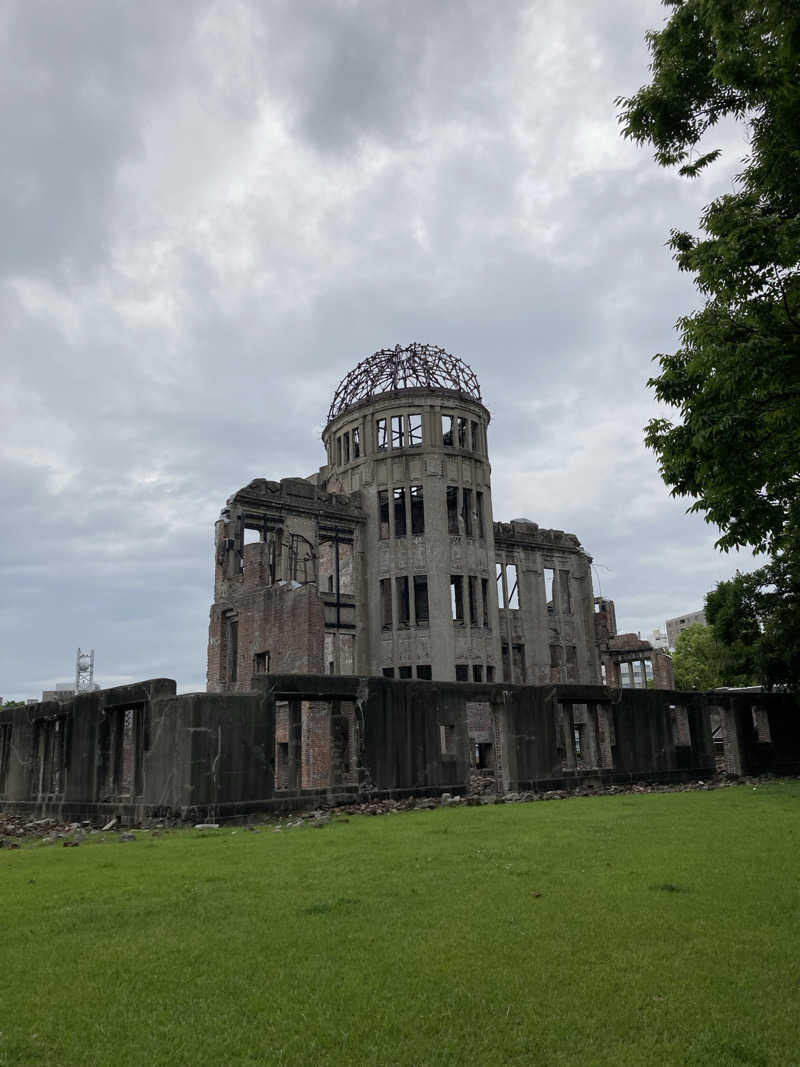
<point>417,366</point>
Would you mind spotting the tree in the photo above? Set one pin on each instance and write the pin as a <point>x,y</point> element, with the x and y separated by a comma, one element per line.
<point>755,619</point>
<point>696,659</point>
<point>735,380</point>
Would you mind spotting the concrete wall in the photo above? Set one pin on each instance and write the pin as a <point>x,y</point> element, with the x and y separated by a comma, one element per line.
<point>139,751</point>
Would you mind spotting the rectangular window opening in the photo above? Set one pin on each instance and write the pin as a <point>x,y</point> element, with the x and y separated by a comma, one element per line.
<point>490,673</point>
<point>479,515</point>
<point>512,584</point>
<point>472,599</point>
<point>261,663</point>
<point>424,672</point>
<point>346,440</point>
<point>388,672</point>
<point>485,602</point>
<point>462,432</point>
<point>415,430</point>
<point>399,496</point>
<point>447,431</point>
<point>386,603</point>
<point>417,511</point>
<point>549,584</point>
<point>421,617</point>
<point>501,600</point>
<point>452,509</point>
<point>477,672</point>
<point>403,672</point>
<point>447,738</point>
<point>383,514</point>
<point>457,597</point>
<point>462,672</point>
<point>403,606</point>
<point>466,511</point>
<point>398,432</point>
<point>381,441</point>
<point>339,451</point>
<point>476,437</point>
<point>356,442</point>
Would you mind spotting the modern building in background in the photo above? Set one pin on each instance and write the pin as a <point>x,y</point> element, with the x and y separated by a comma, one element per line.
<point>681,622</point>
<point>388,561</point>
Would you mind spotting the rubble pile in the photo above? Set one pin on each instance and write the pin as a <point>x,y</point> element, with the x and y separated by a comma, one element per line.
<point>15,829</point>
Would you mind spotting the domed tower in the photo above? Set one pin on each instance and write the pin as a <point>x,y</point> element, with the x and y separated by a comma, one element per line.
<point>407,429</point>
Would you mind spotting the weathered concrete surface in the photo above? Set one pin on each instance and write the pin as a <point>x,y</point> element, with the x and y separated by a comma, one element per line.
<point>141,751</point>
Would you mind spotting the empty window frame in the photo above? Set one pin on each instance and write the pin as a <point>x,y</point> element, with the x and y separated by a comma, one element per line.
<point>489,673</point>
<point>415,430</point>
<point>457,597</point>
<point>760,725</point>
<point>421,616</point>
<point>565,597</point>
<point>251,536</point>
<point>477,672</point>
<point>480,531</point>
<point>556,655</point>
<point>261,663</point>
<point>381,435</point>
<point>447,738</point>
<point>403,602</point>
<point>356,442</point>
<point>339,451</point>
<point>424,672</point>
<point>485,602</point>
<point>447,431</point>
<point>346,443</point>
<point>462,672</point>
<point>466,511</point>
<point>549,590</point>
<point>452,509</point>
<point>404,672</point>
<point>461,427</point>
<point>388,672</point>
<point>472,599</point>
<point>417,511</point>
<point>476,436</point>
<point>399,496</point>
<point>383,514</point>
<point>512,586</point>
<point>398,431</point>
<point>501,600</point>
<point>386,603</point>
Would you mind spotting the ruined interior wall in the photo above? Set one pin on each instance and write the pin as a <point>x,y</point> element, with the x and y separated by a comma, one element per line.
<point>548,634</point>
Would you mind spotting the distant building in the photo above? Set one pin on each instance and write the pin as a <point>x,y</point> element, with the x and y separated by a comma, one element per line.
<point>681,622</point>
<point>658,639</point>
<point>62,691</point>
<point>626,661</point>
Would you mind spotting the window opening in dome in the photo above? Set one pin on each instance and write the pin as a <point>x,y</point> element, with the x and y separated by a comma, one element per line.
<point>415,430</point>
<point>447,431</point>
<point>381,435</point>
<point>398,432</point>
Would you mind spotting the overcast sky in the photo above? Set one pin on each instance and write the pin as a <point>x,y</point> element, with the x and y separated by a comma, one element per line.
<point>212,211</point>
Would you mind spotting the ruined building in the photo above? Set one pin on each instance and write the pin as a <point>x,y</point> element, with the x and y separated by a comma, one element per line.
<point>388,561</point>
<point>375,634</point>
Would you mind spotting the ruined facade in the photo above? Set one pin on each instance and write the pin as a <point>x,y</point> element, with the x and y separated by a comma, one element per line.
<point>626,661</point>
<point>388,562</point>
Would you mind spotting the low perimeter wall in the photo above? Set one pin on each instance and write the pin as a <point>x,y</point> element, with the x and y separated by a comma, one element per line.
<point>141,751</point>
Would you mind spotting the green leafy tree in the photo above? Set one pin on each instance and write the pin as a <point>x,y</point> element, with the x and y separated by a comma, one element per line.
<point>734,445</point>
<point>696,661</point>
<point>755,619</point>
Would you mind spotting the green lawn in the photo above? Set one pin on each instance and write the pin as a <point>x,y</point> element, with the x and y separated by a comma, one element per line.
<point>635,929</point>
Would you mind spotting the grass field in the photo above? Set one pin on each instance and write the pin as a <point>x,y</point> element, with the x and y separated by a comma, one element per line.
<point>636,929</point>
